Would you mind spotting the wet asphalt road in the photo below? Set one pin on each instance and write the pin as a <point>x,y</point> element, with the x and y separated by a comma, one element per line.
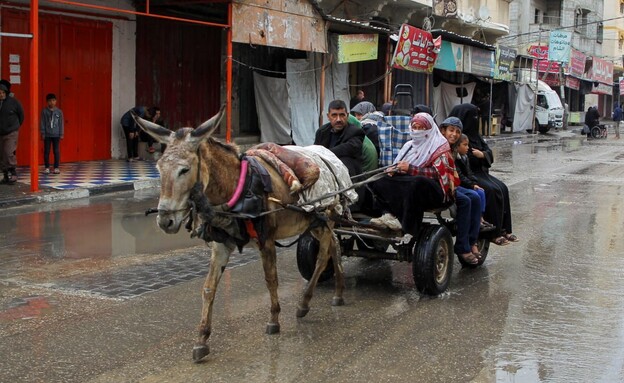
<point>92,291</point>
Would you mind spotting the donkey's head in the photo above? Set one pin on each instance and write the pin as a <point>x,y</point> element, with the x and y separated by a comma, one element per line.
<point>179,168</point>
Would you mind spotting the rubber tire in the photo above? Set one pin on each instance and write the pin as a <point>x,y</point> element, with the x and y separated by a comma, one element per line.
<point>432,260</point>
<point>484,247</point>
<point>307,251</point>
<point>595,132</point>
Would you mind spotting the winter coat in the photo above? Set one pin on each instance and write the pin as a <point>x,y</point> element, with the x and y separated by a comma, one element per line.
<point>51,124</point>
<point>11,116</point>
<point>347,145</point>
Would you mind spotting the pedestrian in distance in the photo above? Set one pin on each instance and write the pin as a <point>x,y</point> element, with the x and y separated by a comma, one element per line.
<point>11,118</point>
<point>617,118</point>
<point>52,132</point>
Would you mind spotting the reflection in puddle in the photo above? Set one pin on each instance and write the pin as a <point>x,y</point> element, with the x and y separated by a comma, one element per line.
<point>97,231</point>
<point>26,308</point>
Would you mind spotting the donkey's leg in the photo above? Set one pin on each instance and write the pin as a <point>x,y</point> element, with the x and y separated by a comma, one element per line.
<point>269,263</point>
<point>326,240</point>
<point>336,256</point>
<point>219,259</point>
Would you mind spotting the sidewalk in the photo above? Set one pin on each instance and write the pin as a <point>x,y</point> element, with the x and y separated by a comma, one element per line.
<point>80,180</point>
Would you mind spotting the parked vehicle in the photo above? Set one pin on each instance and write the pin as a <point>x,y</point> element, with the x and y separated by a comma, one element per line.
<point>548,109</point>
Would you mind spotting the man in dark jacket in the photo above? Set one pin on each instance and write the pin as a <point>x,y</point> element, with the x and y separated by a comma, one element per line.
<point>343,139</point>
<point>132,130</point>
<point>11,118</point>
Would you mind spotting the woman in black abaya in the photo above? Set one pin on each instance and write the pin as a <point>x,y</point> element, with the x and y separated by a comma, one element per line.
<point>497,209</point>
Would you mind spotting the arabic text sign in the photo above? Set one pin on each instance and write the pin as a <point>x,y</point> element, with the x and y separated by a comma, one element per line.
<point>505,58</point>
<point>541,52</point>
<point>576,66</point>
<point>416,50</point>
<point>559,46</point>
<point>361,47</point>
<point>601,71</point>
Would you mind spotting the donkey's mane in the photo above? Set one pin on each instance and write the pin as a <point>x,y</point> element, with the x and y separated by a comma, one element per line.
<point>232,148</point>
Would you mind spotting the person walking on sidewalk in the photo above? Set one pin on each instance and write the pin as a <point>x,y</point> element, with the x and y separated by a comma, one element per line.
<point>11,118</point>
<point>617,118</point>
<point>52,132</point>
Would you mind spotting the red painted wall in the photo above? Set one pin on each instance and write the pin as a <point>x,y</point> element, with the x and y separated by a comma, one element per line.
<point>75,63</point>
<point>179,70</point>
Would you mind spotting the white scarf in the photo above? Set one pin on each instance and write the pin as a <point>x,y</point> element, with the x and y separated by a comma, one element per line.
<point>424,143</point>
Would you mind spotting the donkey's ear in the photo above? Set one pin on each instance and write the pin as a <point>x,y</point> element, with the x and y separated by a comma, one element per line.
<point>206,129</point>
<point>159,133</point>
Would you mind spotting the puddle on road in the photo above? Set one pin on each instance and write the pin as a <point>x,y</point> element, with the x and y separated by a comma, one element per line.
<point>26,308</point>
<point>96,232</point>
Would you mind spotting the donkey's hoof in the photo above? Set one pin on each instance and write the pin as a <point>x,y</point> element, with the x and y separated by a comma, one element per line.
<point>199,352</point>
<point>272,328</point>
<point>302,312</point>
<point>337,301</point>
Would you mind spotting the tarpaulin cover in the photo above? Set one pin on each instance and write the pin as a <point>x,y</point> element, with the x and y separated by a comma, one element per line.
<point>273,111</point>
<point>446,96</point>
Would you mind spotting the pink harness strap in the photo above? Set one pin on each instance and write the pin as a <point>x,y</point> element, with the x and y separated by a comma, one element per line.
<point>240,185</point>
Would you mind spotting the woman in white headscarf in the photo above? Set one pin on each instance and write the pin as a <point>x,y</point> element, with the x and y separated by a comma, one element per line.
<point>423,178</point>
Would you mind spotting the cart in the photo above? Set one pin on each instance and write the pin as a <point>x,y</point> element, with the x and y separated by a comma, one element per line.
<point>430,252</point>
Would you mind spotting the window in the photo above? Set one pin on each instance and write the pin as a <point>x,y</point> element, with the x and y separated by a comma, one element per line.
<point>621,43</point>
<point>537,19</point>
<point>621,7</point>
<point>599,32</point>
<point>580,20</point>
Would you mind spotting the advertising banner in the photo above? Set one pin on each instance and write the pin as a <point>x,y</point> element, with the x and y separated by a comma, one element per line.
<point>621,86</point>
<point>450,57</point>
<point>576,66</point>
<point>505,58</point>
<point>541,53</point>
<point>573,83</point>
<point>416,50</point>
<point>360,47</point>
<point>601,71</point>
<point>481,62</point>
<point>559,45</point>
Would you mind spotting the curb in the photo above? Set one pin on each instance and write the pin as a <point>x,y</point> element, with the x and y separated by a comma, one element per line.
<point>66,195</point>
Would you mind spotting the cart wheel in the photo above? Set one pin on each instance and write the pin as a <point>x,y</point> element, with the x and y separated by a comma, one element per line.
<point>595,132</point>
<point>432,263</point>
<point>484,247</point>
<point>307,251</point>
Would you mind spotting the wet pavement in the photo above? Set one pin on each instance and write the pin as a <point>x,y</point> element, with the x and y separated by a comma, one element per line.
<point>92,291</point>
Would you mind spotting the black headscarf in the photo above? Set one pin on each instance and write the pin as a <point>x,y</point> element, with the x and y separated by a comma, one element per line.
<point>469,116</point>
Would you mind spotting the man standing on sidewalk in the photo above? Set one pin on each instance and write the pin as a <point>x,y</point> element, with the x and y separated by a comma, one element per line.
<point>617,118</point>
<point>11,118</point>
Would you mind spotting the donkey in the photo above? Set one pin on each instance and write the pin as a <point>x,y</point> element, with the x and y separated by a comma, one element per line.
<point>192,156</point>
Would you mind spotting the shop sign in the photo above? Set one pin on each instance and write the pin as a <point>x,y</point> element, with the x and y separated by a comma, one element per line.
<point>601,71</point>
<point>505,58</point>
<point>541,53</point>
<point>559,45</point>
<point>600,88</point>
<point>479,62</point>
<point>416,50</point>
<point>576,66</point>
<point>359,47</point>
<point>450,57</point>
<point>621,86</point>
<point>573,83</point>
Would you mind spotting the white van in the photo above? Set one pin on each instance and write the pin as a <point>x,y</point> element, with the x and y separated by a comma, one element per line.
<point>548,108</point>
